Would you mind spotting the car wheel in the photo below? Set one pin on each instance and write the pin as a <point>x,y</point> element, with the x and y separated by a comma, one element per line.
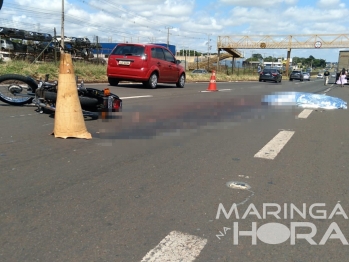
<point>301,80</point>
<point>291,79</point>
<point>113,81</point>
<point>152,81</point>
<point>260,80</point>
<point>181,81</point>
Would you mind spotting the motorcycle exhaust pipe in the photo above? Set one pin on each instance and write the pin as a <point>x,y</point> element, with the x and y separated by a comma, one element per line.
<point>84,112</point>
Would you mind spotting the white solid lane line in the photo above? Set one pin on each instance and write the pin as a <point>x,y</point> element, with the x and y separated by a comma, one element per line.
<point>129,97</point>
<point>176,247</point>
<point>273,148</point>
<point>305,113</point>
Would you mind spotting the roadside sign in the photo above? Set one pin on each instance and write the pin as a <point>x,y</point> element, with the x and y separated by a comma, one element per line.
<point>318,44</point>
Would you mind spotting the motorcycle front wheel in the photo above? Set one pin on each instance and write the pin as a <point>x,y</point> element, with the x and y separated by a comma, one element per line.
<point>17,89</point>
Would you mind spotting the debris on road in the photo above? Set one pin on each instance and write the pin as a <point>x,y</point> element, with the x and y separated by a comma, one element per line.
<point>305,100</point>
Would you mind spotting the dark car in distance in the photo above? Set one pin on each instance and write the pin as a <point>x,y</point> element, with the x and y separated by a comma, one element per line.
<point>270,74</point>
<point>296,75</point>
<point>199,71</point>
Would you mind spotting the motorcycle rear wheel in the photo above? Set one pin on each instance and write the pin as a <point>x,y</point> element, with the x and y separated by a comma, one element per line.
<point>14,89</point>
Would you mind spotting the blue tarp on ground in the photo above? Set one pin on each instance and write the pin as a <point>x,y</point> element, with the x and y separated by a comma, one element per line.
<point>306,100</point>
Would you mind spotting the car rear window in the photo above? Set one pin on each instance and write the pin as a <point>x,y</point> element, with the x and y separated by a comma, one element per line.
<point>269,70</point>
<point>130,50</point>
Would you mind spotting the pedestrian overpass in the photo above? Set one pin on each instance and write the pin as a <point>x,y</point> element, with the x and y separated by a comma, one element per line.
<point>231,44</point>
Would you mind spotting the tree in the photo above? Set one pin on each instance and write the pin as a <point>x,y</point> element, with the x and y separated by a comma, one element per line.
<point>257,57</point>
<point>311,61</point>
<point>270,59</point>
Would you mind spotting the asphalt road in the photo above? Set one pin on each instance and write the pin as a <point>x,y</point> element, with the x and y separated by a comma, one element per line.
<point>150,186</point>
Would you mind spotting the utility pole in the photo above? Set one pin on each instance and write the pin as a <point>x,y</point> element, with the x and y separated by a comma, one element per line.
<point>97,49</point>
<point>185,56</point>
<point>55,44</point>
<point>62,28</point>
<point>208,52</point>
<point>168,34</point>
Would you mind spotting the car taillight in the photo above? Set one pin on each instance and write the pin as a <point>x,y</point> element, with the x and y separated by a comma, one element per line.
<point>117,104</point>
<point>274,74</point>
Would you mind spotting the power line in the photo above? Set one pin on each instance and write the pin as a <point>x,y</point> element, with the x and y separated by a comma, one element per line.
<point>133,14</point>
<point>54,17</point>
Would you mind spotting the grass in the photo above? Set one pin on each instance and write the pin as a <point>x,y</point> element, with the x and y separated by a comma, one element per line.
<point>93,73</point>
<point>87,71</point>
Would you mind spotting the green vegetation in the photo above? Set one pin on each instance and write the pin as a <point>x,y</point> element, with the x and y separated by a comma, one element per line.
<point>310,62</point>
<point>86,71</point>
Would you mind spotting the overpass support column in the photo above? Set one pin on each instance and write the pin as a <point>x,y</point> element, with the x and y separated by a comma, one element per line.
<point>232,65</point>
<point>219,53</point>
<point>288,61</point>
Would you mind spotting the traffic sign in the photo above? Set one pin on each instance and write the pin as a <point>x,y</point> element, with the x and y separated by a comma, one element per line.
<point>318,44</point>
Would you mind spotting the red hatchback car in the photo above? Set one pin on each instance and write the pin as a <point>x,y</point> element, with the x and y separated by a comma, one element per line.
<point>146,63</point>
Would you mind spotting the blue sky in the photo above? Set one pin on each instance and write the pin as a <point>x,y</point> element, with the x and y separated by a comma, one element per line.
<point>190,23</point>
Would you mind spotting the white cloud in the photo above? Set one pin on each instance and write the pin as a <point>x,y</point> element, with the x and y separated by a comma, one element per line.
<point>254,3</point>
<point>190,20</point>
<point>329,4</point>
<point>42,4</point>
<point>308,14</point>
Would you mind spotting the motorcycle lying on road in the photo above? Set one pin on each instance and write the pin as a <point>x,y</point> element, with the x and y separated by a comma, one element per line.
<point>20,90</point>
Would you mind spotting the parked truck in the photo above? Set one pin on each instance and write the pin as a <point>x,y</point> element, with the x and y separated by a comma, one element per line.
<point>343,62</point>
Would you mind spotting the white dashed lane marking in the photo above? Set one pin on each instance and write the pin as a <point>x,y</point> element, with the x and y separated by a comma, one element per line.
<point>23,115</point>
<point>305,113</point>
<point>273,148</point>
<point>130,97</point>
<point>176,247</point>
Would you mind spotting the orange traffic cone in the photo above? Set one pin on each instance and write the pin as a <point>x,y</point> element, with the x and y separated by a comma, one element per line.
<point>69,120</point>
<point>212,85</point>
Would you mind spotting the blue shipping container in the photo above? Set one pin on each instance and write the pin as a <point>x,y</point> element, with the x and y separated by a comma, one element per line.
<point>106,48</point>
